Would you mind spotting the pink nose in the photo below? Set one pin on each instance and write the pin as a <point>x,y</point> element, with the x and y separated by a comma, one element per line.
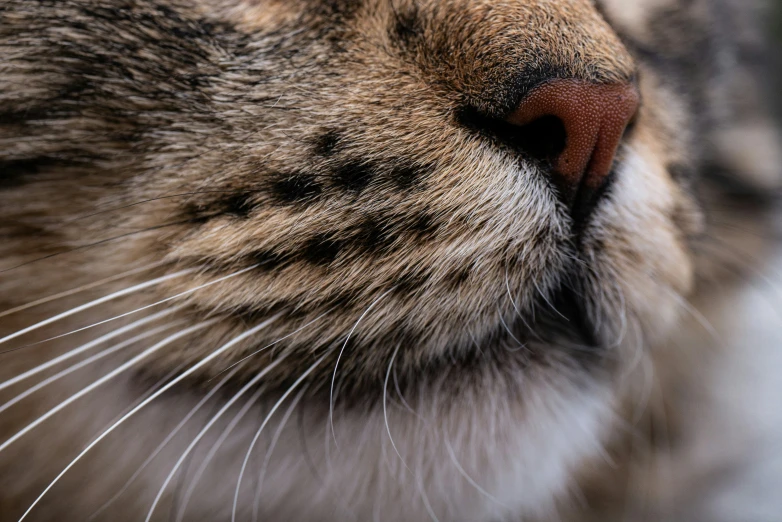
<point>594,117</point>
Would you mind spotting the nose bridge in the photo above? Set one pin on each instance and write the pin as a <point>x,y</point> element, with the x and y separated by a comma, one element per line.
<point>529,39</point>
<point>493,52</point>
<point>568,36</point>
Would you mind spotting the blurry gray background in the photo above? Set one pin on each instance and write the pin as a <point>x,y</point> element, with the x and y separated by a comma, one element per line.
<point>776,52</point>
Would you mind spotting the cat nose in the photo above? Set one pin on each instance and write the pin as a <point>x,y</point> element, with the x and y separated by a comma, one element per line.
<point>577,127</point>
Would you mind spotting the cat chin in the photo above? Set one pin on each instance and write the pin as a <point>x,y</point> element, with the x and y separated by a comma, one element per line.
<point>504,451</point>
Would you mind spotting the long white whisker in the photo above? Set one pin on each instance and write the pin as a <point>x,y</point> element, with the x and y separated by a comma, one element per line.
<point>83,348</point>
<point>385,408</point>
<point>160,392</point>
<point>163,444</point>
<point>507,329</point>
<point>263,425</point>
<point>96,302</point>
<point>336,365</point>
<point>425,499</point>
<point>213,451</point>
<point>203,431</point>
<point>82,288</point>
<point>467,477</point>
<point>549,303</point>
<point>399,394</point>
<point>695,313</point>
<point>82,364</point>
<point>84,391</point>
<point>146,307</point>
<point>267,458</point>
<point>516,308</point>
<point>256,352</point>
<point>162,381</point>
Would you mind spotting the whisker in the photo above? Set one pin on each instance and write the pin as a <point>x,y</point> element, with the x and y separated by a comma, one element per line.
<point>163,444</point>
<point>510,295</point>
<point>83,348</point>
<point>203,431</point>
<point>270,450</point>
<point>83,288</point>
<point>518,312</point>
<point>263,425</point>
<point>146,307</point>
<point>256,352</point>
<point>504,324</point>
<point>694,312</point>
<point>193,369</point>
<point>425,499</point>
<point>467,477</point>
<point>86,362</point>
<point>549,303</point>
<point>213,451</point>
<point>84,391</point>
<point>96,302</point>
<point>161,382</point>
<point>399,394</point>
<point>385,408</point>
<point>342,350</point>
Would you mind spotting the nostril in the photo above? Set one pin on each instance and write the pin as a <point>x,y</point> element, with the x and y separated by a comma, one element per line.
<point>593,119</point>
<point>543,139</point>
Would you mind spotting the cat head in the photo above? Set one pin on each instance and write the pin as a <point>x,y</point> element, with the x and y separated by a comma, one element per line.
<point>458,183</point>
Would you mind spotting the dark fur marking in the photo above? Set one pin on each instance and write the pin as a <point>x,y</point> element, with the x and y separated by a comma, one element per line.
<point>295,188</point>
<point>455,279</point>
<point>326,144</point>
<point>13,173</point>
<point>737,188</point>
<point>239,205</point>
<point>343,9</point>
<point>354,176</point>
<point>424,226</point>
<point>269,259</point>
<point>406,336</point>
<point>344,300</point>
<point>375,236</point>
<point>407,28</point>
<point>411,282</point>
<point>29,114</point>
<point>322,250</point>
<point>407,176</point>
<point>253,314</point>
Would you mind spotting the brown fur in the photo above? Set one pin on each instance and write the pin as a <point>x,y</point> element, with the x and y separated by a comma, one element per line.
<point>336,152</point>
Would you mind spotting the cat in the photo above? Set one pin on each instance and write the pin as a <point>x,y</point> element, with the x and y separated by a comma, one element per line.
<point>317,260</point>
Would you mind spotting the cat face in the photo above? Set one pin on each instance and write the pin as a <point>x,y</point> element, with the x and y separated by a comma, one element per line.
<point>487,197</point>
<point>366,166</point>
<point>366,178</point>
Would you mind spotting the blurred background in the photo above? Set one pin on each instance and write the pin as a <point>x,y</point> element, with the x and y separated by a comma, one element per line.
<point>776,53</point>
